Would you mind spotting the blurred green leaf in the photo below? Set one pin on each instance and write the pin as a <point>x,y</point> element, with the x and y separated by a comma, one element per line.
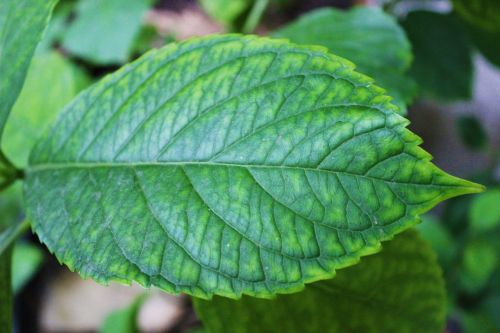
<point>484,213</point>
<point>442,64</point>
<point>227,12</point>
<point>26,260</point>
<point>472,132</point>
<point>123,320</point>
<point>57,26</point>
<point>487,43</point>
<point>485,14</point>
<point>22,23</point>
<point>145,40</point>
<point>484,318</point>
<point>367,36</point>
<point>104,31</point>
<point>398,290</point>
<point>433,231</point>
<point>51,83</point>
<point>479,262</point>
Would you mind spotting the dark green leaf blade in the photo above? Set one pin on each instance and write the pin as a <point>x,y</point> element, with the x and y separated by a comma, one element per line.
<point>397,290</point>
<point>485,14</point>
<point>442,65</point>
<point>6,289</point>
<point>229,165</point>
<point>367,36</point>
<point>22,23</point>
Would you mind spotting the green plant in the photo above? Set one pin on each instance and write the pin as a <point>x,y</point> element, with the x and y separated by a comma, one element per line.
<point>235,166</point>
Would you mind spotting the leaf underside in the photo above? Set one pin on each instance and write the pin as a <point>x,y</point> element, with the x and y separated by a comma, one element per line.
<point>229,165</point>
<point>398,290</point>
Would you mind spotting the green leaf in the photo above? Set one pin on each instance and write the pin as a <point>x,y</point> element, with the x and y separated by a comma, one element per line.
<point>104,31</point>
<point>398,290</point>
<point>51,83</point>
<point>485,14</point>
<point>433,231</point>
<point>442,63</point>
<point>479,262</point>
<point>486,42</point>
<point>485,211</point>
<point>229,165</point>
<point>367,36</point>
<point>5,287</point>
<point>124,320</point>
<point>227,12</point>
<point>21,26</point>
<point>472,132</point>
<point>26,260</point>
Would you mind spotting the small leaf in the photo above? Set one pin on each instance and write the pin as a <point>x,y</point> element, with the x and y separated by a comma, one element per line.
<point>479,262</point>
<point>104,31</point>
<point>434,232</point>
<point>124,320</point>
<point>472,132</point>
<point>26,260</point>
<point>485,14</point>
<point>227,12</point>
<point>51,83</point>
<point>442,65</point>
<point>485,211</point>
<point>21,26</point>
<point>398,290</point>
<point>367,36</point>
<point>229,165</point>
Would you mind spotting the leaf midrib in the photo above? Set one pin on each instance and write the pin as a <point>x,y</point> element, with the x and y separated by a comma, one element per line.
<point>96,165</point>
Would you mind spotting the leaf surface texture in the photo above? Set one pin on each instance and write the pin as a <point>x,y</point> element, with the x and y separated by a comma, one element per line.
<point>229,165</point>
<point>367,36</point>
<point>399,290</point>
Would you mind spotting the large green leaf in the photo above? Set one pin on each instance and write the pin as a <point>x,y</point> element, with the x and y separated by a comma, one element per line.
<point>442,65</point>
<point>104,31</point>
<point>373,40</point>
<point>482,13</point>
<point>21,26</point>
<point>50,84</point>
<point>229,165</point>
<point>398,290</point>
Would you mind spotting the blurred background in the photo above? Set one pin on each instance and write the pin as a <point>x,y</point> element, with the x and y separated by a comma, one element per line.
<point>447,78</point>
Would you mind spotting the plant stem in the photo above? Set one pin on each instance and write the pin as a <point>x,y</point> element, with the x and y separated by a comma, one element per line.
<point>254,16</point>
<point>8,172</point>
<point>9,235</point>
<point>6,292</point>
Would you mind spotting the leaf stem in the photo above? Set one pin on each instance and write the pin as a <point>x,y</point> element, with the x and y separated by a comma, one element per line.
<point>11,234</point>
<point>254,16</point>
<point>6,292</point>
<point>8,172</point>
